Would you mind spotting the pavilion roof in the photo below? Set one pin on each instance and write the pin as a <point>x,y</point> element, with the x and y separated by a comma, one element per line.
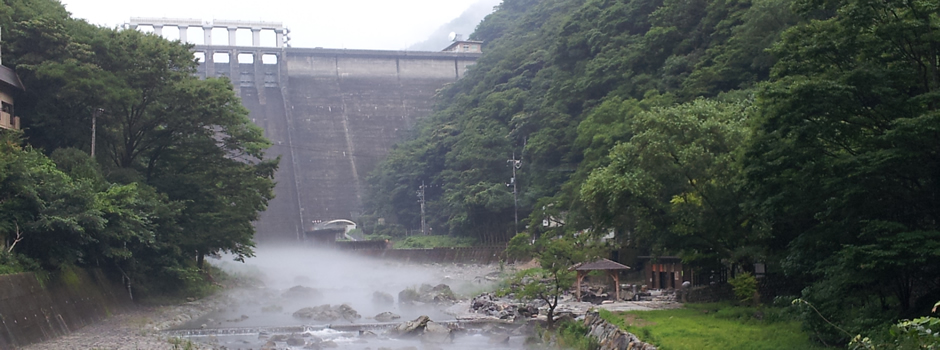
<point>602,264</point>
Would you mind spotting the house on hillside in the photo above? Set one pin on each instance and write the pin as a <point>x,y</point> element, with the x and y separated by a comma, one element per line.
<point>10,86</point>
<point>462,46</point>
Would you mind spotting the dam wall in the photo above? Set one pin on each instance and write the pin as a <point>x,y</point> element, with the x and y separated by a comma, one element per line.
<point>332,116</point>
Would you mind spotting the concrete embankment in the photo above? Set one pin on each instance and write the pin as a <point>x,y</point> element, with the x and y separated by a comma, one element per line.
<point>32,310</point>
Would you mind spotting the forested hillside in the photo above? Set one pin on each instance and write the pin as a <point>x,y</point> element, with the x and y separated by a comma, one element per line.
<point>800,134</point>
<point>178,171</point>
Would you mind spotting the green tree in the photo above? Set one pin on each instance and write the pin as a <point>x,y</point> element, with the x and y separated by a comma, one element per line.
<point>44,214</point>
<point>674,184</point>
<point>553,277</point>
<point>843,165</point>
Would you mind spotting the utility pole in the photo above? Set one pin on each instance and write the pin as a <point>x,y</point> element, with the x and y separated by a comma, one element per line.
<point>424,224</point>
<point>94,128</point>
<point>515,164</point>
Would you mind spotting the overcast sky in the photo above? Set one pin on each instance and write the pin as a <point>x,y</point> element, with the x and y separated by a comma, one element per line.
<point>352,24</point>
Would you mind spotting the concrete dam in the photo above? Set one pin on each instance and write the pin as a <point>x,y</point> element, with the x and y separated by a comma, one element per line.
<point>332,115</point>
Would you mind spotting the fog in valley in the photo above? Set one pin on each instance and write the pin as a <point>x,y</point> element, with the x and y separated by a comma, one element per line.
<point>282,280</point>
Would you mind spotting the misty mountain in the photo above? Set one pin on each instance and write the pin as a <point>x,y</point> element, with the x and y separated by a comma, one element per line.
<point>465,24</point>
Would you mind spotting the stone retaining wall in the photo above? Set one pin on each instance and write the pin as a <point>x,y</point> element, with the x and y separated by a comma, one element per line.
<point>32,311</point>
<point>611,337</point>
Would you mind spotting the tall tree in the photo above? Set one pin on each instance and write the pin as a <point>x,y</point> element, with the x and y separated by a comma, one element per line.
<point>844,164</point>
<point>674,184</point>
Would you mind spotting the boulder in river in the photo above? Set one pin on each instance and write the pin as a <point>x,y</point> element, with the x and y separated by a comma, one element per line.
<point>386,317</point>
<point>295,340</point>
<point>440,293</point>
<point>427,330</point>
<point>437,333</point>
<point>411,328</point>
<point>347,312</point>
<point>408,296</point>
<point>327,313</point>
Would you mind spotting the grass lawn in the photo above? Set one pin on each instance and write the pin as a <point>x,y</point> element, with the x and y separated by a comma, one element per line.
<point>715,326</point>
<point>433,242</point>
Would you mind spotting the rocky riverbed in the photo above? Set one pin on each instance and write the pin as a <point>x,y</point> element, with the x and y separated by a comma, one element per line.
<point>334,301</point>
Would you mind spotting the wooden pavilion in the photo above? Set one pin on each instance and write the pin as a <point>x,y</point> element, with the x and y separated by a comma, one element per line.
<point>612,268</point>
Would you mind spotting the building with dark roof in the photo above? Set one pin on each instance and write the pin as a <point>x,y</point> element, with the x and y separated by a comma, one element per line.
<point>10,85</point>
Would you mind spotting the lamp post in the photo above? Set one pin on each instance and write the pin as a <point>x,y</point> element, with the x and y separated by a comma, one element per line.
<point>515,164</point>
<point>94,128</point>
<point>424,225</point>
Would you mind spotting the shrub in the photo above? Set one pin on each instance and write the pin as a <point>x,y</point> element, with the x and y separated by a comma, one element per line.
<point>919,333</point>
<point>745,288</point>
<point>574,335</point>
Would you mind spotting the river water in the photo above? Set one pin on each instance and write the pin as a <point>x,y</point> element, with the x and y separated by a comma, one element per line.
<point>262,317</point>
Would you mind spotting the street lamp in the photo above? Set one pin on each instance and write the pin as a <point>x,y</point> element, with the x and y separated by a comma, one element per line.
<point>515,164</point>
<point>421,200</point>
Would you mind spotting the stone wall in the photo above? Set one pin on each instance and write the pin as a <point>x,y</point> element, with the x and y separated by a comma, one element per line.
<point>611,337</point>
<point>31,311</point>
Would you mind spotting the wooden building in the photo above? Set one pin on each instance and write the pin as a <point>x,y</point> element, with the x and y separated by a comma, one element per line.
<point>664,272</point>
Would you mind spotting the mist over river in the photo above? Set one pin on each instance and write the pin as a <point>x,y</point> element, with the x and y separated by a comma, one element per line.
<point>294,278</point>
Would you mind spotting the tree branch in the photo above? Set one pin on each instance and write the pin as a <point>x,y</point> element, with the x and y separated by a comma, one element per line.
<point>19,237</point>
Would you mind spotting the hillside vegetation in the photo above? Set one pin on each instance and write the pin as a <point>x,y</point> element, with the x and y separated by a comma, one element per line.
<point>178,171</point>
<point>801,134</point>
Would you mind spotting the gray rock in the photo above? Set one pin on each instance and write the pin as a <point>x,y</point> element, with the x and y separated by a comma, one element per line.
<point>411,328</point>
<point>327,313</point>
<point>348,313</point>
<point>295,340</point>
<point>408,296</point>
<point>386,317</point>
<point>440,293</point>
<point>437,333</point>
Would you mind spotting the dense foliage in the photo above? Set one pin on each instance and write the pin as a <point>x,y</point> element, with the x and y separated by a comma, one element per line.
<point>796,133</point>
<point>178,171</point>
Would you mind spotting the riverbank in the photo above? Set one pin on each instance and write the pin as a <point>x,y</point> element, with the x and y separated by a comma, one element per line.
<point>329,278</point>
<point>136,328</point>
